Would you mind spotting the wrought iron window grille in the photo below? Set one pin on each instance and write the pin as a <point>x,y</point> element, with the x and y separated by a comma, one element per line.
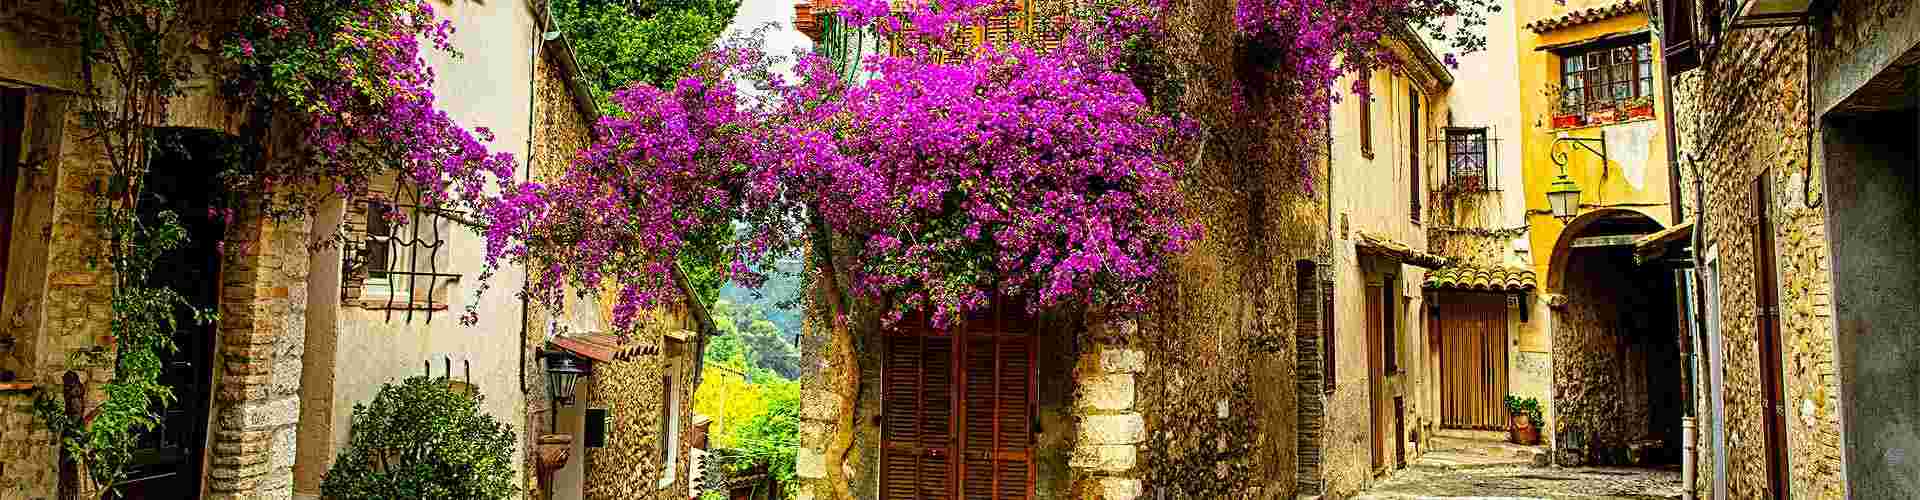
<point>1469,159</point>
<point>394,254</point>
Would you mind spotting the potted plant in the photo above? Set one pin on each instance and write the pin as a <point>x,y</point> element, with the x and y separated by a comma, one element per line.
<point>1525,425</point>
<point>1603,115</point>
<point>1568,114</point>
<point>1638,107</point>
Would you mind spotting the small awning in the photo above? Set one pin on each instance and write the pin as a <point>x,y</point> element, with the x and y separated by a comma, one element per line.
<point>1656,245</point>
<point>1384,247</point>
<point>1481,279</point>
<point>605,347</point>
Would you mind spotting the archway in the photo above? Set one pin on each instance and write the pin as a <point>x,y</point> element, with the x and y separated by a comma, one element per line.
<point>1615,345</point>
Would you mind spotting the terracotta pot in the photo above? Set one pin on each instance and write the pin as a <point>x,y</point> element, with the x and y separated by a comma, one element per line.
<point>1603,116</point>
<point>1566,121</point>
<point>1640,111</point>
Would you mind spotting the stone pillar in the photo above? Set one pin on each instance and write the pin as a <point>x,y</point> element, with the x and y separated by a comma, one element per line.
<point>263,302</point>
<point>1105,459</point>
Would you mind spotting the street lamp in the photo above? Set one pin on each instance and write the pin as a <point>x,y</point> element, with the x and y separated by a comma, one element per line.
<point>563,371</point>
<point>1565,197</point>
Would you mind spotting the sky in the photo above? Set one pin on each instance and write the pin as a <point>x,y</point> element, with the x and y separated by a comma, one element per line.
<point>783,40</point>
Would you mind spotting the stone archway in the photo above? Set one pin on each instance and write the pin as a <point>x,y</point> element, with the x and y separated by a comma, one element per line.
<point>1615,352</point>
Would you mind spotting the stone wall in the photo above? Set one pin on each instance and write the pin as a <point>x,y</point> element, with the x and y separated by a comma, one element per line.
<point>1752,121</point>
<point>629,466</point>
<point>263,305</point>
<point>560,131</point>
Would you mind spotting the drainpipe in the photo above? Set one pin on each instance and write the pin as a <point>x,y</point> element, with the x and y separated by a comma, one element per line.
<point>1687,344</point>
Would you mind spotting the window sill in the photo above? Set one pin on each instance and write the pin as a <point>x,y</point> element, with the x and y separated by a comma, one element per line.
<point>377,304</point>
<point>1599,125</point>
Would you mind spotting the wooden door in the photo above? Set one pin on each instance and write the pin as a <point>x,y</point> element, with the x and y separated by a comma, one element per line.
<point>1376,375</point>
<point>916,425</point>
<point>1473,361</point>
<point>1767,308</point>
<point>959,429</point>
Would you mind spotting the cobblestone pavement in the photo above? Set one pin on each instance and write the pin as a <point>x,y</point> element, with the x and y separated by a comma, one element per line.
<point>1586,483</point>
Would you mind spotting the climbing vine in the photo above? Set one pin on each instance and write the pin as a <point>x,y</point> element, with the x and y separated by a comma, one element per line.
<point>138,46</point>
<point>333,95</point>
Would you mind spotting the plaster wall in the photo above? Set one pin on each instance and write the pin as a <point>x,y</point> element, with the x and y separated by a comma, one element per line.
<point>1371,191</point>
<point>490,87</point>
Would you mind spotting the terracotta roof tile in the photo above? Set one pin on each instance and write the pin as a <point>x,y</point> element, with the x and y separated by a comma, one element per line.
<point>1578,17</point>
<point>1381,246</point>
<point>1481,279</point>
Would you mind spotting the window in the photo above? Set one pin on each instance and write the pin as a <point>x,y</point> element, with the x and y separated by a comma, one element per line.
<point>397,255</point>
<point>1389,312</point>
<point>1366,124</point>
<point>1467,159</point>
<point>1413,151</point>
<point>669,439</point>
<point>957,412</point>
<point>1600,78</point>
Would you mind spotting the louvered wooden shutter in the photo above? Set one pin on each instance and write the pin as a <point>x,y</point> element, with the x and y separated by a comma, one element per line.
<point>998,441</point>
<point>917,417</point>
<point>1003,30</point>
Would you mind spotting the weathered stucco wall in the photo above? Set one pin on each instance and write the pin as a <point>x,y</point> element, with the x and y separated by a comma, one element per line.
<point>372,346</point>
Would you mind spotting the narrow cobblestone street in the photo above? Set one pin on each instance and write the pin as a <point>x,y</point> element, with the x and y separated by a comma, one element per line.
<point>1593,483</point>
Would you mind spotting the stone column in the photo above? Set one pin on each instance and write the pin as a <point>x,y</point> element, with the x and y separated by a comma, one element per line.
<point>1111,429</point>
<point>263,303</point>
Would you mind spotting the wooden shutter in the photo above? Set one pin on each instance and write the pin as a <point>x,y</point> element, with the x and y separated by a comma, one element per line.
<point>998,442</point>
<point>1413,151</point>
<point>1767,309</point>
<point>1005,29</point>
<point>917,403</point>
<point>1327,334</point>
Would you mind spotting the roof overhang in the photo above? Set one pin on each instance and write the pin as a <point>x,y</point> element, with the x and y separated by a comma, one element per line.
<point>1657,245</point>
<point>1589,15</point>
<point>1481,279</point>
<point>1384,247</point>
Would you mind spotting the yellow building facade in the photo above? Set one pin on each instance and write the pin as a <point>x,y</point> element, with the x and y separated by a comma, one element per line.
<point>1592,103</point>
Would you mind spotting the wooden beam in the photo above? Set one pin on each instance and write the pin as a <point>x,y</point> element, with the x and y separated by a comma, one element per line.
<point>1612,240</point>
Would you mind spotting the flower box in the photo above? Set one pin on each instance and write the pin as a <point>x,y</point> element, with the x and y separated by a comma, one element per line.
<point>1602,116</point>
<point>1640,111</point>
<point>1566,121</point>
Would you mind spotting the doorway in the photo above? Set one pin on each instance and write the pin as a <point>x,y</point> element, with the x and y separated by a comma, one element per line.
<point>1873,211</point>
<point>1472,336</point>
<point>168,462</point>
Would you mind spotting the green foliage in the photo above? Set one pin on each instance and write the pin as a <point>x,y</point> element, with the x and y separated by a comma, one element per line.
<point>421,439</point>
<point>1525,406</point>
<point>134,46</point>
<point>747,333</point>
<point>622,42</point>
<point>756,418</point>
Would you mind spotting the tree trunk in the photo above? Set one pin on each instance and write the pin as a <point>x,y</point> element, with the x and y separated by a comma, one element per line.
<point>843,347</point>
<point>75,396</point>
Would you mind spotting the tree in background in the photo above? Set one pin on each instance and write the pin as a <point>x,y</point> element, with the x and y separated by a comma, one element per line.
<point>621,42</point>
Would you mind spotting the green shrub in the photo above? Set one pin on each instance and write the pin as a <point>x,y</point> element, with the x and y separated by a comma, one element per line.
<point>421,439</point>
<point>1525,406</point>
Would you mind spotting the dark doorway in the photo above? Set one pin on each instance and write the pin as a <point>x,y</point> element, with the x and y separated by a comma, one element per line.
<point>167,463</point>
<point>1873,209</point>
<point>1618,396</point>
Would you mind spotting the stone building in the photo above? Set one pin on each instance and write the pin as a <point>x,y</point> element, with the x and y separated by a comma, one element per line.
<point>307,330</point>
<point>638,388</point>
<point>1377,381</point>
<point>1591,106</point>
<point>1197,398</point>
<point>1802,125</point>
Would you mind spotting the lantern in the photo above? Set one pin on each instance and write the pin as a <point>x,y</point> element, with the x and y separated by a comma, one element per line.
<point>563,371</point>
<point>1565,198</point>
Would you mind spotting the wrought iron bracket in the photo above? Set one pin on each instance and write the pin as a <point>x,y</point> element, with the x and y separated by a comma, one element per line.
<point>1560,156</point>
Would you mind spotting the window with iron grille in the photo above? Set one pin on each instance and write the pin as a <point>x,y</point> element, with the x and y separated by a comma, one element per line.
<point>396,256</point>
<point>1467,159</point>
<point>1600,77</point>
